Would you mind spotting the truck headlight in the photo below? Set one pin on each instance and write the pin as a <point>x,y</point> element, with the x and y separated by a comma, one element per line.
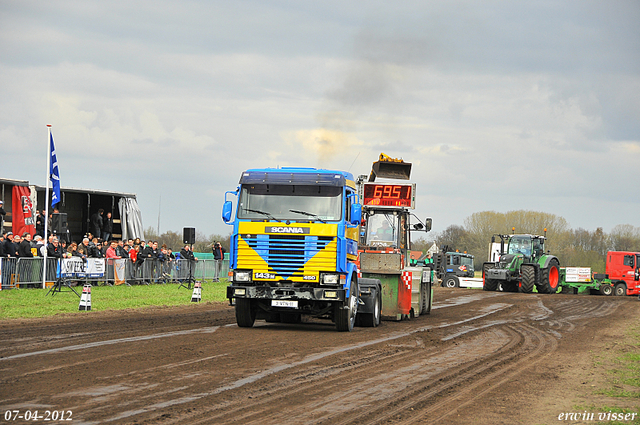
<point>240,292</point>
<point>242,276</point>
<point>330,279</point>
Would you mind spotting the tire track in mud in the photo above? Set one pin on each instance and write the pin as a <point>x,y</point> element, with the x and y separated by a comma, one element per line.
<point>324,367</point>
<point>457,385</point>
<point>324,384</point>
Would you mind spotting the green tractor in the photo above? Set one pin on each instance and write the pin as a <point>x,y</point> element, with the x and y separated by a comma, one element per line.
<point>522,266</point>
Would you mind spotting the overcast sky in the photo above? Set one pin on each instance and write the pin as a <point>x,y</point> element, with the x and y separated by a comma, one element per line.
<point>500,106</point>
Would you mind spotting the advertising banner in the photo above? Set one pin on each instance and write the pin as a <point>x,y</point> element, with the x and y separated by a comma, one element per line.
<point>76,267</point>
<point>23,219</point>
<point>118,271</point>
<point>72,267</point>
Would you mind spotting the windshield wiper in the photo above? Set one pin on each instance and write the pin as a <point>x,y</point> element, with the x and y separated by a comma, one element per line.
<point>262,212</point>
<point>309,215</point>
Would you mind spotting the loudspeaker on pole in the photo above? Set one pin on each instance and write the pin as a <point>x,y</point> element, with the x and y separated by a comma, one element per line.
<point>189,235</point>
<point>197,293</point>
<point>85,299</point>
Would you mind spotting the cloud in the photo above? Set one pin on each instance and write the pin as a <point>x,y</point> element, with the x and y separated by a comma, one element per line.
<point>324,144</point>
<point>480,97</point>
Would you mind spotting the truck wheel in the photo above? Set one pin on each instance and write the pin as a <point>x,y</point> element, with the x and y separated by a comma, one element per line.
<point>371,320</point>
<point>452,282</point>
<point>346,317</point>
<point>620,290</point>
<point>550,278</point>
<point>245,314</point>
<point>528,279</point>
<point>488,284</point>
<point>606,290</point>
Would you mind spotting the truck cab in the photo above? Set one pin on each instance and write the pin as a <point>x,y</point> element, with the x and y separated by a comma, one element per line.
<point>293,245</point>
<point>623,269</point>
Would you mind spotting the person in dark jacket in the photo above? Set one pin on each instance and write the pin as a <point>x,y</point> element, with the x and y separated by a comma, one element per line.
<point>2,214</point>
<point>96,222</point>
<point>10,250</point>
<point>94,249</point>
<point>40,223</point>
<point>218,256</point>
<point>24,248</point>
<point>120,251</point>
<point>107,227</point>
<point>54,249</point>
<point>187,254</point>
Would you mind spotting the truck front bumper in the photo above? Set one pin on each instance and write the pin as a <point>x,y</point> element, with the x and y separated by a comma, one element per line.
<point>286,293</point>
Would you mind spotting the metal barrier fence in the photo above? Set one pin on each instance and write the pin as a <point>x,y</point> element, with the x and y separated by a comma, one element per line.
<point>27,272</point>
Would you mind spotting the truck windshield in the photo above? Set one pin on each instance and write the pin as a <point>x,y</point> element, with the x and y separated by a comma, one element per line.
<point>466,261</point>
<point>268,201</point>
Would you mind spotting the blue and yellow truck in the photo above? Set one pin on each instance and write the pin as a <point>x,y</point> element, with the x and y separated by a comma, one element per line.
<point>293,248</point>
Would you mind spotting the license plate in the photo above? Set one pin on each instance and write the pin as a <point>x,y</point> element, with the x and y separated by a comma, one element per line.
<point>283,303</point>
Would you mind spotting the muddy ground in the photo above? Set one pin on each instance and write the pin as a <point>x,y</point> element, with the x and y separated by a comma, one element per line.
<point>478,358</point>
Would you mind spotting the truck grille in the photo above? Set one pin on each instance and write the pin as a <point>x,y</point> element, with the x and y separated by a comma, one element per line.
<point>286,255</point>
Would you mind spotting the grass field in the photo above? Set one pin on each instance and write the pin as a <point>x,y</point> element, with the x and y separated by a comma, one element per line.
<point>25,303</point>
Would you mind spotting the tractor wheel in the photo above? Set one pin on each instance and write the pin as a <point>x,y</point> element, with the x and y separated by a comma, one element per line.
<point>606,290</point>
<point>550,278</point>
<point>345,318</point>
<point>528,279</point>
<point>452,282</point>
<point>620,290</point>
<point>245,313</point>
<point>488,284</point>
<point>425,308</point>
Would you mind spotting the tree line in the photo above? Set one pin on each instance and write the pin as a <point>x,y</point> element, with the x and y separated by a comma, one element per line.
<point>573,247</point>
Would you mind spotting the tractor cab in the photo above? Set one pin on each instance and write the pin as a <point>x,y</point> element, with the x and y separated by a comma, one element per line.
<point>382,230</point>
<point>532,247</point>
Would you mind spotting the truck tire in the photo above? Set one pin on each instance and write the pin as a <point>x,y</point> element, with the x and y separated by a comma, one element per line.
<point>620,290</point>
<point>245,313</point>
<point>371,320</point>
<point>345,316</point>
<point>606,290</point>
<point>451,281</point>
<point>550,278</point>
<point>528,279</point>
<point>488,284</point>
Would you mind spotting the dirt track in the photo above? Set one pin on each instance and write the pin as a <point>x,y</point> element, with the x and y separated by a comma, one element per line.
<point>479,357</point>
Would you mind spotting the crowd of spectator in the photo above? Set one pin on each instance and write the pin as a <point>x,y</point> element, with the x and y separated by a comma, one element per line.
<point>93,245</point>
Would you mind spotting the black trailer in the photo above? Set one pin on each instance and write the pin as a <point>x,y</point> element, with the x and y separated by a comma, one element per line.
<point>79,205</point>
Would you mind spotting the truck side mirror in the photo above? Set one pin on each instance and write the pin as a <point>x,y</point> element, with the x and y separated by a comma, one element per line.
<point>427,223</point>
<point>227,208</point>
<point>356,214</point>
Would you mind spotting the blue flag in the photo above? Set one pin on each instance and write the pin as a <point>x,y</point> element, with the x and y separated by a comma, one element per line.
<point>54,174</point>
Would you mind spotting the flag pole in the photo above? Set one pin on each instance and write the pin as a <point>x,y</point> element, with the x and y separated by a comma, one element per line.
<point>46,208</point>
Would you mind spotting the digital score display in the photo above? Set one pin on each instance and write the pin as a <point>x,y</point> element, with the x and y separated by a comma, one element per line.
<point>389,195</point>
